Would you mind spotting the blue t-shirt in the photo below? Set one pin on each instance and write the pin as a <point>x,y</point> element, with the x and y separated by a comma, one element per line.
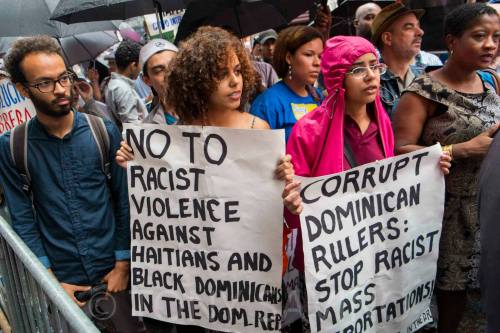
<point>281,107</point>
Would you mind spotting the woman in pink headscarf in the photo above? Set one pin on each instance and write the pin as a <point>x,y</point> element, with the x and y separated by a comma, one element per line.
<point>348,129</point>
<point>352,116</point>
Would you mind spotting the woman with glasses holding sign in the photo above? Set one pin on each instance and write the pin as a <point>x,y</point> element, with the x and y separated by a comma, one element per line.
<point>349,129</point>
<point>457,106</point>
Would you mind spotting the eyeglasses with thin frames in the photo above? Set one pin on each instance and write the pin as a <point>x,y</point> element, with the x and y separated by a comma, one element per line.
<point>362,72</point>
<point>48,86</point>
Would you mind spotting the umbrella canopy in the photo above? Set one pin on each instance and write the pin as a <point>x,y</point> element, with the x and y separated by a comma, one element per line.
<point>74,11</point>
<point>77,48</point>
<point>87,46</point>
<point>29,18</point>
<point>243,17</point>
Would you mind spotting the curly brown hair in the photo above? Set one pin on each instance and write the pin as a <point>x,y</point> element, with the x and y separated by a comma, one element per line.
<point>24,46</point>
<point>195,72</point>
<point>290,40</point>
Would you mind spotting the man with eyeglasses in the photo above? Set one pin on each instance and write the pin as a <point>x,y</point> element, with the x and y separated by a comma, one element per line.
<point>72,218</point>
<point>397,34</point>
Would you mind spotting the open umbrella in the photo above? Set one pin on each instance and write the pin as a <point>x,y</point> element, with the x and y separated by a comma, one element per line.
<point>243,17</point>
<point>86,46</point>
<point>73,11</point>
<point>77,48</point>
<point>28,18</point>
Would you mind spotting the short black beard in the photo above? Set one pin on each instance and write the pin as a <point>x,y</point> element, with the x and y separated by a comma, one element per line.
<point>47,108</point>
<point>365,32</point>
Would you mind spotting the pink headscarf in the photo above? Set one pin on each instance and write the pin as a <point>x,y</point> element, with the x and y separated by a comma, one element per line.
<point>318,137</point>
<point>316,142</point>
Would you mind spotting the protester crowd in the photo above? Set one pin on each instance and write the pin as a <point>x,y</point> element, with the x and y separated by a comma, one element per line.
<point>343,102</point>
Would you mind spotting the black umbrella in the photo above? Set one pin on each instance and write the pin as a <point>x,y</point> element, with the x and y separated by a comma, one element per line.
<point>28,18</point>
<point>243,17</point>
<point>73,11</point>
<point>76,48</point>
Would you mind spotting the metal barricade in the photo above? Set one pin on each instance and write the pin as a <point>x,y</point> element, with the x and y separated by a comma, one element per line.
<point>32,299</point>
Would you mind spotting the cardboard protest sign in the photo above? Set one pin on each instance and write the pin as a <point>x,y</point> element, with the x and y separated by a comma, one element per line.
<point>14,108</point>
<point>371,241</point>
<point>171,21</point>
<point>206,226</point>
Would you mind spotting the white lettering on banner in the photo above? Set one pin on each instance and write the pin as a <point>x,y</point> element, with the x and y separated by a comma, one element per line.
<point>371,241</point>
<point>15,109</point>
<point>206,226</point>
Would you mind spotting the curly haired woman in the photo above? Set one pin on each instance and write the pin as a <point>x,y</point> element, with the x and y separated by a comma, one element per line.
<point>208,84</point>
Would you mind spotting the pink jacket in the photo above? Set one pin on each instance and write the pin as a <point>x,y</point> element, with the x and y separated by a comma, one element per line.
<point>317,139</point>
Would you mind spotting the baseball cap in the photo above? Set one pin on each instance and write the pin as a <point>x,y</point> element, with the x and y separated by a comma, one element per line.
<point>154,46</point>
<point>266,35</point>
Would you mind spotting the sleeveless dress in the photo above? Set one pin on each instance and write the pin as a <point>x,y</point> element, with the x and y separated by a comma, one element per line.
<point>459,117</point>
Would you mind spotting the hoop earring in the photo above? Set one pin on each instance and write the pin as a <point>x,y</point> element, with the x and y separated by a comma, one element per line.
<point>290,72</point>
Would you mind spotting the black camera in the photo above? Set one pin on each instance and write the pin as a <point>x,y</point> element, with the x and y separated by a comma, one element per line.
<point>84,296</point>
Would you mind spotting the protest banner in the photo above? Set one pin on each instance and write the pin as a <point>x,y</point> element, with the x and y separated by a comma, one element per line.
<point>371,241</point>
<point>171,22</point>
<point>206,226</point>
<point>15,109</point>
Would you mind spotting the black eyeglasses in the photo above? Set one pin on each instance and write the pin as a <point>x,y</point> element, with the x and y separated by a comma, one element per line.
<point>362,72</point>
<point>48,86</point>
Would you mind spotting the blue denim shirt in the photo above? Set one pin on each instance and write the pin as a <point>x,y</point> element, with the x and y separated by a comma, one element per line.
<point>389,89</point>
<point>77,230</point>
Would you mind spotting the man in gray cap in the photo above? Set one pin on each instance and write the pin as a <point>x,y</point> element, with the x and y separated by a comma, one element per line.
<point>154,59</point>
<point>267,39</point>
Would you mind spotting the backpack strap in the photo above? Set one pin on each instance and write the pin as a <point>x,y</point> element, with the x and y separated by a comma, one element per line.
<point>101,138</point>
<point>19,154</point>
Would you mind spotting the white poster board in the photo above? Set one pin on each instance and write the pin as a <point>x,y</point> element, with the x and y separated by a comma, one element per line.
<point>171,21</point>
<point>206,226</point>
<point>14,108</point>
<point>371,241</point>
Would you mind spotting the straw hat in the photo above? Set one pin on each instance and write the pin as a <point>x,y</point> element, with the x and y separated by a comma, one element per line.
<point>388,15</point>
